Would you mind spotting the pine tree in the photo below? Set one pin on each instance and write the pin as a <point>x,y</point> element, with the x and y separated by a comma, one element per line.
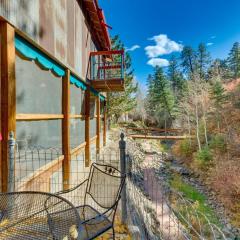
<point>219,97</point>
<point>234,60</point>
<point>150,104</point>
<point>189,60</point>
<point>218,94</point>
<point>123,102</point>
<point>203,60</point>
<point>176,78</point>
<point>163,97</point>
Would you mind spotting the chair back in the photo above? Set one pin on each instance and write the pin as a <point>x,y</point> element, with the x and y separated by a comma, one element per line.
<point>105,184</point>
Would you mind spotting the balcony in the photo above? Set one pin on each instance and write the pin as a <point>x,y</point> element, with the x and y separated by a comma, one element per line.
<point>106,70</point>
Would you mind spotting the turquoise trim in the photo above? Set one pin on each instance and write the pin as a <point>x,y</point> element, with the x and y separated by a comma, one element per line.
<point>102,98</point>
<point>77,82</point>
<point>97,94</point>
<point>32,53</point>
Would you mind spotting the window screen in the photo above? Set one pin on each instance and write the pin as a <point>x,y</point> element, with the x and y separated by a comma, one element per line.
<point>93,123</point>
<point>45,134</point>
<point>92,107</point>
<point>77,132</point>
<point>36,88</point>
<point>76,100</point>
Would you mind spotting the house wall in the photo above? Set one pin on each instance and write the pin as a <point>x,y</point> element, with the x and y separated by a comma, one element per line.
<point>59,26</point>
<point>41,92</point>
<point>39,159</point>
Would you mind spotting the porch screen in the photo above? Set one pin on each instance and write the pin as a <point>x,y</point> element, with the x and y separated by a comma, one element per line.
<point>93,120</point>
<point>40,134</point>
<point>77,124</point>
<point>38,91</point>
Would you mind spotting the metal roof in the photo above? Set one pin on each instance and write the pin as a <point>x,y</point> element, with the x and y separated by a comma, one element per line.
<point>99,28</point>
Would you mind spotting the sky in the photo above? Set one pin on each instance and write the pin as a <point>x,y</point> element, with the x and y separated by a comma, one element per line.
<point>152,30</point>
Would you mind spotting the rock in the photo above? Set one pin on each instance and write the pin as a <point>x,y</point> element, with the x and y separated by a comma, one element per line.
<point>180,170</point>
<point>229,226</point>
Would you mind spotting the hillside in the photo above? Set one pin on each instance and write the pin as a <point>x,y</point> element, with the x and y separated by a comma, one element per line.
<point>219,166</point>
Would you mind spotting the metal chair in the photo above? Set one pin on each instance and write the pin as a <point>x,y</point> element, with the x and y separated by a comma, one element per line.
<point>102,192</point>
<point>36,216</point>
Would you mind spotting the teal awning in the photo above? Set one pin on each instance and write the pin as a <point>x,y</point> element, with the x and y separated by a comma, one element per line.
<point>102,98</point>
<point>77,82</point>
<point>97,94</point>
<point>32,53</point>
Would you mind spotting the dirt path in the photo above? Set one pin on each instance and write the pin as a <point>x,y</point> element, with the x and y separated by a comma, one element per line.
<point>169,225</point>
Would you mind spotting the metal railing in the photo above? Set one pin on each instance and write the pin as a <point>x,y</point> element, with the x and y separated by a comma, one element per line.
<point>106,65</point>
<point>146,202</point>
<point>159,211</point>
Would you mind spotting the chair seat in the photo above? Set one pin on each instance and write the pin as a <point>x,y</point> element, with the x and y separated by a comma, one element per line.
<point>95,226</point>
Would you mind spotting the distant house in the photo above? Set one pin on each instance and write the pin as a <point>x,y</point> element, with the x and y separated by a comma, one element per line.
<point>56,67</point>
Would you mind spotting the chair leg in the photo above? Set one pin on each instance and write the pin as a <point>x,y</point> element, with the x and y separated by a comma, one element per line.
<point>113,231</point>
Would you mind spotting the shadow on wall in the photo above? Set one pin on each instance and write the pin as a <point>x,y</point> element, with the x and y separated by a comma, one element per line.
<point>21,14</point>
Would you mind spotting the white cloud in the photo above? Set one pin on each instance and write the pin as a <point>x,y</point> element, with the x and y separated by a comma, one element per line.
<point>163,46</point>
<point>158,62</point>
<point>134,47</point>
<point>210,44</point>
<point>213,37</point>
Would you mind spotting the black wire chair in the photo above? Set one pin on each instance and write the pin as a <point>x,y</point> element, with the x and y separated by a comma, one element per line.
<point>100,194</point>
<point>36,215</point>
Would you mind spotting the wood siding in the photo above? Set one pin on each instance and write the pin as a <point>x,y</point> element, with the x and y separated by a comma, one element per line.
<point>59,26</point>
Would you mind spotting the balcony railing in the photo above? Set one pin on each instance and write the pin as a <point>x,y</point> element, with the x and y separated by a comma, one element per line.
<point>106,70</point>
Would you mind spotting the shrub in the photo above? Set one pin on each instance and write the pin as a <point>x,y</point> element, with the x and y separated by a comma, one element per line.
<point>218,143</point>
<point>186,148</point>
<point>204,156</point>
<point>165,146</point>
<point>226,182</point>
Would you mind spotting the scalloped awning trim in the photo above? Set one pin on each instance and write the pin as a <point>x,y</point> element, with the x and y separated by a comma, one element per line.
<point>77,82</point>
<point>31,53</point>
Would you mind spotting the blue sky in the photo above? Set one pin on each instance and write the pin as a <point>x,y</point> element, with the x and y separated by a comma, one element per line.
<point>178,22</point>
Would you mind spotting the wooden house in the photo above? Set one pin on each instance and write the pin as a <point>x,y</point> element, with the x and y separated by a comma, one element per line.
<point>56,67</point>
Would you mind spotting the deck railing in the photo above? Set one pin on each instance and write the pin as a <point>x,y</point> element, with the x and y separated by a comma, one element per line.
<point>106,65</point>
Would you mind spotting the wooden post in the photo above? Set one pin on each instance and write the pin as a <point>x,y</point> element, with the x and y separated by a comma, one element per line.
<point>98,125</point>
<point>65,129</point>
<point>104,125</point>
<point>87,128</point>
<point>8,95</point>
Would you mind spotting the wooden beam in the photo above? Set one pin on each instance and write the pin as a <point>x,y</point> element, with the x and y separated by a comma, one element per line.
<point>98,125</point>
<point>0,116</point>
<point>77,116</point>
<point>158,137</point>
<point>93,139</point>
<point>108,85</point>
<point>87,127</point>
<point>8,95</point>
<point>78,149</point>
<point>36,117</point>
<point>155,129</point>
<point>105,126</point>
<point>65,129</point>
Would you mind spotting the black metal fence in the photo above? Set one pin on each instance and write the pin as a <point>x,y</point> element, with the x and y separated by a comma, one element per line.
<point>159,211</point>
<point>148,201</point>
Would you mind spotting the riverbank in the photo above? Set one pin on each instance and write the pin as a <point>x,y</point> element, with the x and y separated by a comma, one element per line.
<point>186,184</point>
